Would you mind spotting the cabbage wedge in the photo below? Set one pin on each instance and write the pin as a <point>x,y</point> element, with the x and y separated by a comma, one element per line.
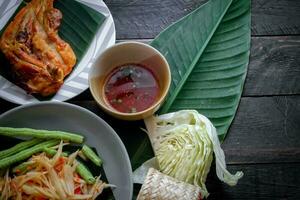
<point>184,143</point>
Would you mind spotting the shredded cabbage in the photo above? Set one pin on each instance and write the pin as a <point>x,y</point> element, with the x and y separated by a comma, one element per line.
<point>184,143</point>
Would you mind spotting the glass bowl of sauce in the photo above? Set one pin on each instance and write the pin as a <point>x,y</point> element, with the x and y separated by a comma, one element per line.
<point>130,80</point>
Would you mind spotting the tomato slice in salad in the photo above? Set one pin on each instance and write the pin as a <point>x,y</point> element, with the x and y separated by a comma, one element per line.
<point>78,190</point>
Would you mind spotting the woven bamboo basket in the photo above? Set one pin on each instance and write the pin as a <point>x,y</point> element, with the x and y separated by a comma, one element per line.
<point>158,186</point>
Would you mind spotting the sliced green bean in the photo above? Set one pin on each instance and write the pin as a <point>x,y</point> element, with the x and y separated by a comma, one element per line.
<point>43,134</point>
<point>91,155</point>
<point>23,167</point>
<point>85,173</point>
<point>19,147</point>
<point>52,152</point>
<point>82,156</point>
<point>6,162</point>
<point>81,169</point>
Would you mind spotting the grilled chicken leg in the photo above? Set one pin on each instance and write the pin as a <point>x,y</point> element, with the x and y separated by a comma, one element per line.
<point>39,58</point>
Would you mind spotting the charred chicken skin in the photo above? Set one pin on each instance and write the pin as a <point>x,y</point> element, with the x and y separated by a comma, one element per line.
<point>39,58</point>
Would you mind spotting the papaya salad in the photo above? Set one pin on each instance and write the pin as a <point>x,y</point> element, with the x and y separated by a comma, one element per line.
<point>40,169</point>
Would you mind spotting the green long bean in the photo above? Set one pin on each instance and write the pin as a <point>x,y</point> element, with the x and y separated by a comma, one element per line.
<point>91,155</point>
<point>6,162</point>
<point>85,173</point>
<point>52,152</point>
<point>81,169</point>
<point>19,147</point>
<point>43,134</point>
<point>23,167</point>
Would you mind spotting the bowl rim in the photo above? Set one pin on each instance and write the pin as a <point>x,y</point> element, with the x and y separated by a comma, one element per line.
<point>154,105</point>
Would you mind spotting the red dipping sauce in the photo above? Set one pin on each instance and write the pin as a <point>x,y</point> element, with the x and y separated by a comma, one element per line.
<point>131,88</point>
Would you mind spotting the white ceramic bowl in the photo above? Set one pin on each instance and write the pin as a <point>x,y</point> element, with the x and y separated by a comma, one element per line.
<point>124,53</point>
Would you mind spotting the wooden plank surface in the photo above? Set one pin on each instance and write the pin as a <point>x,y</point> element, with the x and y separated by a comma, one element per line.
<point>141,19</point>
<point>274,66</point>
<point>263,140</point>
<point>145,19</point>
<point>275,17</point>
<point>265,130</point>
<point>260,182</point>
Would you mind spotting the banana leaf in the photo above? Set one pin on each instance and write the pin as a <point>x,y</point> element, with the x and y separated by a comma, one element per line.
<point>208,53</point>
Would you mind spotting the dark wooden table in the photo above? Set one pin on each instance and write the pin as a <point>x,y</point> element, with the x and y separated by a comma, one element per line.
<point>264,139</point>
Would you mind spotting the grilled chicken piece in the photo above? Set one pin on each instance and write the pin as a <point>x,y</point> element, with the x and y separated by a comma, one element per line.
<point>39,58</point>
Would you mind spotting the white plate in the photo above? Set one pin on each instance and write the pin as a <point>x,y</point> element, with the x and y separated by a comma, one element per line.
<point>77,81</point>
<point>98,134</point>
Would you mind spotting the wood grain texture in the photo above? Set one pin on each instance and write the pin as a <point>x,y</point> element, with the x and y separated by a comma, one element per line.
<point>145,19</point>
<point>260,182</point>
<point>265,130</point>
<point>274,67</point>
<point>275,17</point>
